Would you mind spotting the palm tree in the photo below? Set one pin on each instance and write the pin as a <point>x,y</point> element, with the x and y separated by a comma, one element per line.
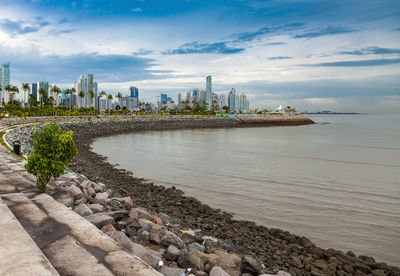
<point>109,97</point>
<point>119,96</point>
<point>56,90</point>
<point>81,95</point>
<point>91,97</point>
<point>25,86</point>
<point>67,93</point>
<point>42,93</point>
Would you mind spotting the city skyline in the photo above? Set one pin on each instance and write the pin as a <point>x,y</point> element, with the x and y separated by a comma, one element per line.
<point>314,55</point>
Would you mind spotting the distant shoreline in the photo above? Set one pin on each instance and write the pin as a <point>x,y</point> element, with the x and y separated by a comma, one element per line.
<point>334,113</point>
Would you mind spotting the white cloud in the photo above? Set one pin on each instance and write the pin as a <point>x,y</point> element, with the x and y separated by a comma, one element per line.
<point>136,10</point>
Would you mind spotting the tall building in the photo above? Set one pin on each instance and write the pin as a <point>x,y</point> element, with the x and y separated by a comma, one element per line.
<point>4,80</point>
<point>231,99</point>
<point>86,85</point>
<point>45,86</point>
<point>180,100</point>
<point>164,99</point>
<point>134,96</point>
<point>209,91</point>
<point>34,89</point>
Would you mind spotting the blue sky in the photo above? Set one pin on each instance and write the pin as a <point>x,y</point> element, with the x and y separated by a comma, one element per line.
<point>311,54</point>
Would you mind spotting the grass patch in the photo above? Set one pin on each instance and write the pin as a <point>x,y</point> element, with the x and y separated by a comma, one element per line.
<point>2,133</point>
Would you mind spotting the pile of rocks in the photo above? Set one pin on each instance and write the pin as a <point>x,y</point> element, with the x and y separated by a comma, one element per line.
<point>155,238</point>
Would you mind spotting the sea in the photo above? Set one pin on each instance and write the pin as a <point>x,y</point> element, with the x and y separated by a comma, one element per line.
<point>336,182</point>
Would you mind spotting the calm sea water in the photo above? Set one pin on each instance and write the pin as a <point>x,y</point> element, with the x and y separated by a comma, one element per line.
<point>338,184</point>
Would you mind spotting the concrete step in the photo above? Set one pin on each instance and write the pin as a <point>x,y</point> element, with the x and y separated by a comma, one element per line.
<point>19,253</point>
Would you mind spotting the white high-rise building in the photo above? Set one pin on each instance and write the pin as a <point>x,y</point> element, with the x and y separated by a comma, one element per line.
<point>209,91</point>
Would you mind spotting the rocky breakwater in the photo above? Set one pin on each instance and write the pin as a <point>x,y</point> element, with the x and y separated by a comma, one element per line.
<point>163,242</point>
<point>276,249</point>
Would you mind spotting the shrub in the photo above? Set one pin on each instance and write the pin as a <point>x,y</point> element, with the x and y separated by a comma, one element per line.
<point>53,149</point>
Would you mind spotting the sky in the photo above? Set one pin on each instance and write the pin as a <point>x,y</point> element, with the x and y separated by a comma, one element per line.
<point>341,55</point>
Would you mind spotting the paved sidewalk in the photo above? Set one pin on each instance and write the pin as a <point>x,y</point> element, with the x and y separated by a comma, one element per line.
<point>40,236</point>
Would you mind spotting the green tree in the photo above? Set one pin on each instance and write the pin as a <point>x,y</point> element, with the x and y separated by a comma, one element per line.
<point>81,95</point>
<point>53,149</point>
<point>91,97</point>
<point>26,88</point>
<point>56,90</point>
<point>43,96</point>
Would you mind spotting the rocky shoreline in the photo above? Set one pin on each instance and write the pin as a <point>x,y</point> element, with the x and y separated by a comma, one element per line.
<point>277,249</point>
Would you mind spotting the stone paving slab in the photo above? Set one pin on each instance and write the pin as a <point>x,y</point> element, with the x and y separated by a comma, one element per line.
<point>19,255</point>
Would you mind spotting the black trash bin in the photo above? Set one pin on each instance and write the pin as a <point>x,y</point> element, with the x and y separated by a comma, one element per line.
<point>17,147</point>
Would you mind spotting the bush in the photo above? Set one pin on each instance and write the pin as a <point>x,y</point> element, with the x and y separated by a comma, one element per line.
<point>53,149</point>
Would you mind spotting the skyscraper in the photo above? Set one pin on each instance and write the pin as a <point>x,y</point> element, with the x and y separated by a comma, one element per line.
<point>209,91</point>
<point>134,96</point>
<point>86,85</point>
<point>164,99</point>
<point>4,80</point>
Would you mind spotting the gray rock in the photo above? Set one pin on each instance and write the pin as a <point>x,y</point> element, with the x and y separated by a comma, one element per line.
<point>282,273</point>
<point>149,256</point>
<point>83,210</point>
<point>74,191</point>
<point>229,262</point>
<point>97,188</point>
<point>217,271</point>
<point>196,246</point>
<point>171,271</point>
<point>172,253</point>
<point>252,264</point>
<point>171,238</point>
<point>96,208</point>
<point>99,219</point>
<point>101,198</point>
<point>91,192</point>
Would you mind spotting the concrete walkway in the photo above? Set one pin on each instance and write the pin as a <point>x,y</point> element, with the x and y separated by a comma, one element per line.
<point>40,236</point>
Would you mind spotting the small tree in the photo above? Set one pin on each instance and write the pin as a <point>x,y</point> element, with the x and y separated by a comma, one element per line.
<point>53,149</point>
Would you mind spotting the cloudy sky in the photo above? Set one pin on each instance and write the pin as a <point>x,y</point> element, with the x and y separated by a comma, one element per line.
<point>341,55</point>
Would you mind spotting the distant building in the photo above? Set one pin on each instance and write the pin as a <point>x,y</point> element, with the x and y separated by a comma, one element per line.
<point>86,85</point>
<point>34,89</point>
<point>4,81</point>
<point>180,100</point>
<point>134,97</point>
<point>164,99</point>
<point>209,91</point>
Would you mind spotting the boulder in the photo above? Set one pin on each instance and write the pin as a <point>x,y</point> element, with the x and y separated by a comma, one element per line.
<point>83,210</point>
<point>201,261</point>
<point>128,203</point>
<point>170,238</point>
<point>196,246</point>
<point>217,271</point>
<point>99,219</point>
<point>108,228</point>
<point>74,191</point>
<point>91,192</point>
<point>97,188</point>
<point>96,208</point>
<point>252,264</point>
<point>149,256</point>
<point>171,271</point>
<point>229,262</point>
<point>282,273</point>
<point>172,253</point>
<point>101,198</point>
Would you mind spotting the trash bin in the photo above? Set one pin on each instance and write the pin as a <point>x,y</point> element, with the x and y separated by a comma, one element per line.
<point>17,147</point>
